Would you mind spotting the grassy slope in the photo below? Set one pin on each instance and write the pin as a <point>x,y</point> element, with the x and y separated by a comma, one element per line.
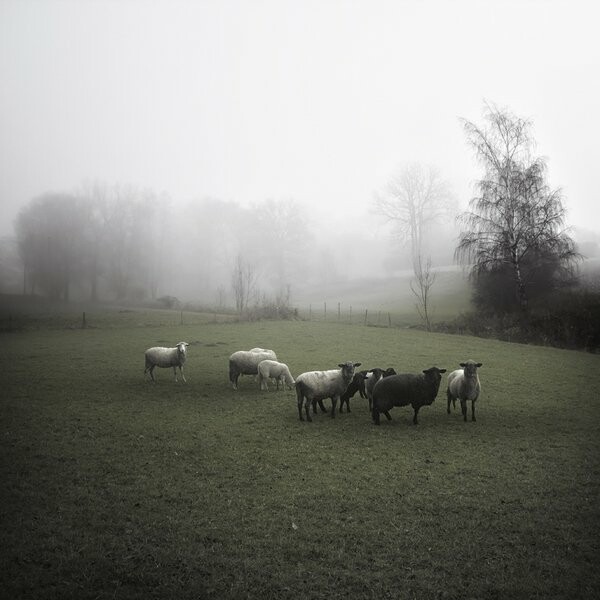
<point>114,487</point>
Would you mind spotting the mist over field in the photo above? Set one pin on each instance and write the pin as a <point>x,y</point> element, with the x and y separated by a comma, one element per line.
<point>226,154</point>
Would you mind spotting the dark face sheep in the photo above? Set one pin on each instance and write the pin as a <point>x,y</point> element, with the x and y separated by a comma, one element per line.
<point>416,389</point>
<point>356,385</point>
<point>376,375</point>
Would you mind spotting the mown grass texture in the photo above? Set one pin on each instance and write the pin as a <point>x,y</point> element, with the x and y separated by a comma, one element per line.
<point>115,487</point>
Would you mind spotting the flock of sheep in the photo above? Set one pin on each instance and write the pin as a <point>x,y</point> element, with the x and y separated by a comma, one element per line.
<point>383,388</point>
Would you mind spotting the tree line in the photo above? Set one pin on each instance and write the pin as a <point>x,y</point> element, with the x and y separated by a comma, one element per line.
<point>121,242</point>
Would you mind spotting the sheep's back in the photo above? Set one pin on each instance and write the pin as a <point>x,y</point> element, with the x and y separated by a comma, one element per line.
<point>247,362</point>
<point>162,357</point>
<point>317,385</point>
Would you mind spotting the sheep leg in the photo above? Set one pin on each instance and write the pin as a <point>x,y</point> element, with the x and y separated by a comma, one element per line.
<point>151,371</point>
<point>182,375</point>
<point>387,415</point>
<point>321,406</point>
<point>449,400</point>
<point>262,383</point>
<point>333,405</point>
<point>375,416</point>
<point>307,410</point>
<point>463,408</point>
<point>415,420</point>
<point>473,410</point>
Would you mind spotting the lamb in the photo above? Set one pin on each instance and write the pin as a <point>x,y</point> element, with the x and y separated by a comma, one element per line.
<point>245,362</point>
<point>373,376</point>
<point>158,356</point>
<point>416,389</point>
<point>315,386</point>
<point>356,385</point>
<point>463,384</point>
<point>276,370</point>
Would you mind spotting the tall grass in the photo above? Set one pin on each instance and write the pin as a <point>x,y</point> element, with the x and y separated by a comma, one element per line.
<point>117,488</point>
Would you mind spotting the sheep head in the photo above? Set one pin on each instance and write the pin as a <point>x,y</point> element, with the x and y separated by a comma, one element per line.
<point>470,368</point>
<point>348,369</point>
<point>181,347</point>
<point>434,375</point>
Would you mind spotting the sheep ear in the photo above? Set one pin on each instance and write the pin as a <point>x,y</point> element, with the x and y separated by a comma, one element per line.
<point>479,365</point>
<point>442,370</point>
<point>463,364</point>
<point>357,364</point>
<point>341,365</point>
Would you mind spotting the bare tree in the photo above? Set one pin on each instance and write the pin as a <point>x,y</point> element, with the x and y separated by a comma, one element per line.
<point>243,284</point>
<point>413,199</point>
<point>421,288</point>
<point>516,222</point>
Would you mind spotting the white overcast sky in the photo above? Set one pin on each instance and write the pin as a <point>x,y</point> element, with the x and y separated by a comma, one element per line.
<point>318,101</point>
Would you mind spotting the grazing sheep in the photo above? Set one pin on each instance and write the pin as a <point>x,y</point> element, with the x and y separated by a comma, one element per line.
<point>372,377</point>
<point>416,389</point>
<point>356,385</point>
<point>166,357</point>
<point>463,384</point>
<point>276,370</point>
<point>315,386</point>
<point>245,362</point>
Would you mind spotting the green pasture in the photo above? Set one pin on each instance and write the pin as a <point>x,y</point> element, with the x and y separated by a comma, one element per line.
<point>114,487</point>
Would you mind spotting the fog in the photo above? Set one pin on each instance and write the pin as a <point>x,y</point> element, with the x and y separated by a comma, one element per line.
<point>314,105</point>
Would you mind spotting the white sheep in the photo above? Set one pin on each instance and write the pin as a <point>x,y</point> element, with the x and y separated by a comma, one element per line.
<point>315,386</point>
<point>464,385</point>
<point>245,362</point>
<point>279,371</point>
<point>158,356</point>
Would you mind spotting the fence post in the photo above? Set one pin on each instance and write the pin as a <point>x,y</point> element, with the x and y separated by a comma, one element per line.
<point>389,320</point>
<point>366,315</point>
<point>325,311</point>
<point>339,308</point>
<point>350,314</point>
<point>83,322</point>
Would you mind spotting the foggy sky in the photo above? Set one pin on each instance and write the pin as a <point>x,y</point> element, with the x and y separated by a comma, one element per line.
<point>318,101</point>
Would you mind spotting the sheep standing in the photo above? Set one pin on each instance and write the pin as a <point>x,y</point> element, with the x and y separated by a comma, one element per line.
<point>245,362</point>
<point>464,385</point>
<point>416,389</point>
<point>356,385</point>
<point>315,386</point>
<point>276,370</point>
<point>158,356</point>
<point>372,377</point>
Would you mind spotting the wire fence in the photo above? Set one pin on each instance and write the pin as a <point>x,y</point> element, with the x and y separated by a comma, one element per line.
<point>346,314</point>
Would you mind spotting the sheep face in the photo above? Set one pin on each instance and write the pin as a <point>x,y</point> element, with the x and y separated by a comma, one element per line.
<point>470,368</point>
<point>434,374</point>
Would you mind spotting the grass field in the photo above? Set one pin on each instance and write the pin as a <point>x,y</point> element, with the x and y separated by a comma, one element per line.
<point>117,488</point>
